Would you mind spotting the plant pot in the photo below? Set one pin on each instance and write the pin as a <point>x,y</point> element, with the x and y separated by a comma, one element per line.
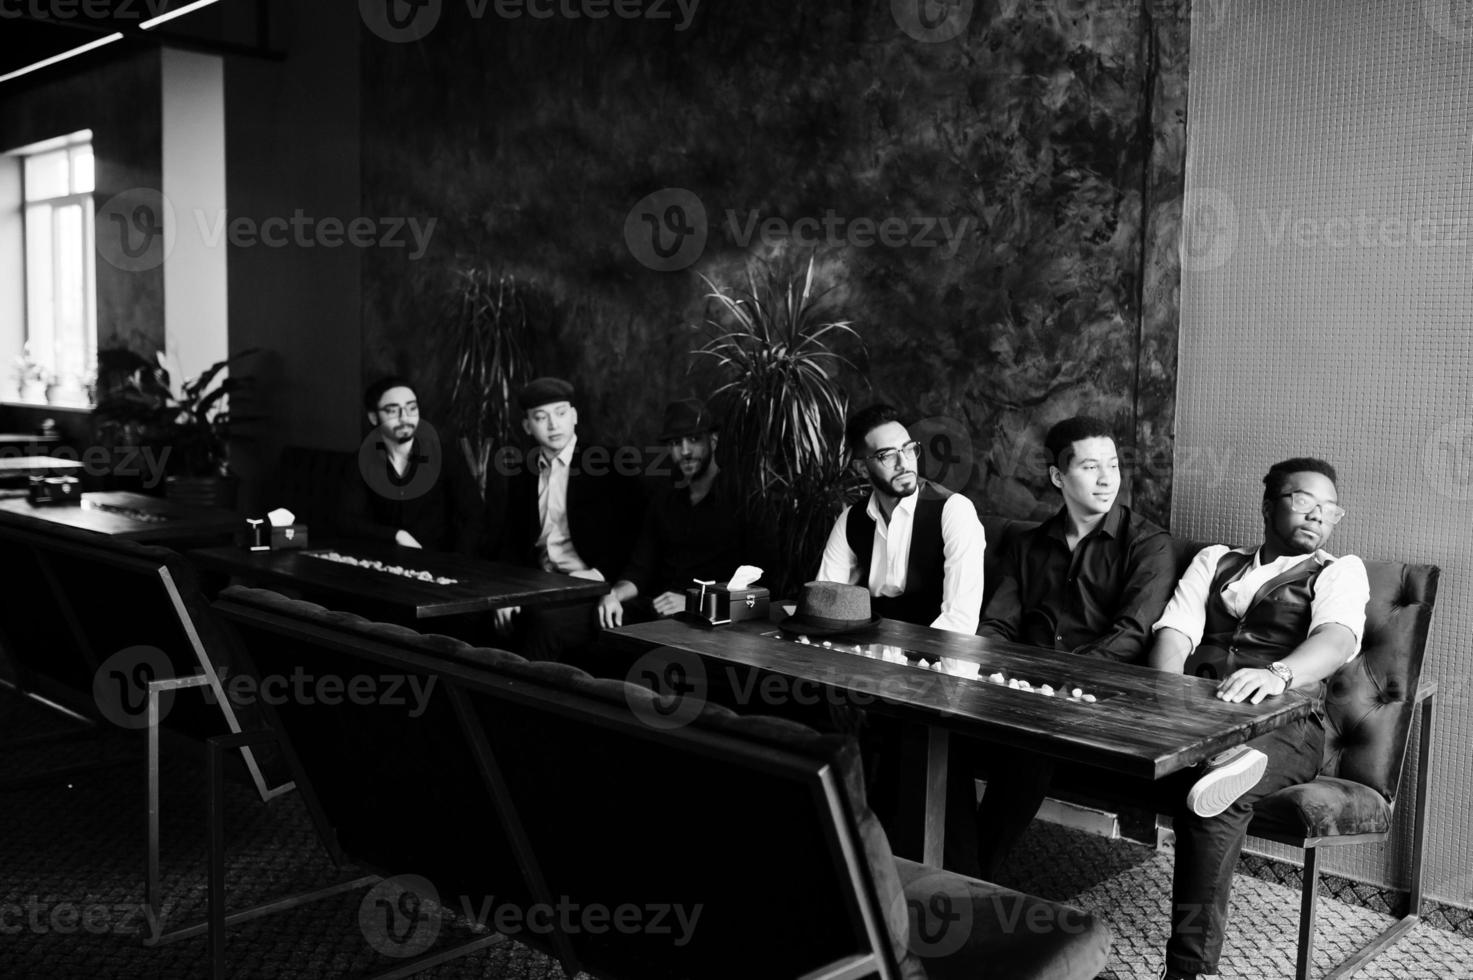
<point>202,491</point>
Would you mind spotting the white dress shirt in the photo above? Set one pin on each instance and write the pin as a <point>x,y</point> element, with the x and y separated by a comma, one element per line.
<point>1340,593</point>
<point>555,544</point>
<point>963,541</point>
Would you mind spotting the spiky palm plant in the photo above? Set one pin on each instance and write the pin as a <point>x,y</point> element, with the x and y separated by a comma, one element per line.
<point>784,410</point>
<point>490,323</point>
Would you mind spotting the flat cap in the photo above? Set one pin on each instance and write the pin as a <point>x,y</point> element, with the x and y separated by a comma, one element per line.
<point>541,391</point>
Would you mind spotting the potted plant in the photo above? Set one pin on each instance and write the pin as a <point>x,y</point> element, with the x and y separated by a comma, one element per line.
<point>785,411</point>
<point>489,325</point>
<point>190,428</point>
<point>31,377</point>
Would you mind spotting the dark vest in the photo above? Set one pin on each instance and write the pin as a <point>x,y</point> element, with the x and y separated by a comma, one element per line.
<point>1276,621</point>
<point>925,567</point>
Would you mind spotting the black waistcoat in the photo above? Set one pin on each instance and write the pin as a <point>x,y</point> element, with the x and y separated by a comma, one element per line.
<point>925,567</point>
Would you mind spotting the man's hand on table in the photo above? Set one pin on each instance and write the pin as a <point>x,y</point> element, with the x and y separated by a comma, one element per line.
<point>610,612</point>
<point>1251,684</point>
<point>504,617</point>
<point>669,603</point>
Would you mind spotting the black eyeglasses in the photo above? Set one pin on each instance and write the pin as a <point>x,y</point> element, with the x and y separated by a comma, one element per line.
<point>399,411</point>
<point>1301,502</point>
<point>889,457</point>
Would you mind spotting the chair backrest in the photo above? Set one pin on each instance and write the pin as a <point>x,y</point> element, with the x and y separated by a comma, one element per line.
<point>92,619</point>
<point>1370,701</point>
<point>309,483</point>
<point>740,835</point>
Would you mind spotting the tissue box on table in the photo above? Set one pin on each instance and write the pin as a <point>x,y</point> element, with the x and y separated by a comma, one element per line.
<point>279,531</point>
<point>729,603</point>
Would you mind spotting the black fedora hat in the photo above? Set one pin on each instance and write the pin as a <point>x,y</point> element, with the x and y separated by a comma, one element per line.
<point>829,608</point>
<point>688,417</point>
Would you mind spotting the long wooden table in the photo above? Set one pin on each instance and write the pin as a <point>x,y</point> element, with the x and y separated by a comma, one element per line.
<point>131,516</point>
<point>478,585</point>
<point>1141,722</point>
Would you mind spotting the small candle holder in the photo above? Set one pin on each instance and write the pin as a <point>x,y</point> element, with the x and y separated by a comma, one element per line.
<point>256,543</point>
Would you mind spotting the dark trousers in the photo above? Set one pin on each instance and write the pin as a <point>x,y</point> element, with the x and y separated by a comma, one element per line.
<point>556,633</point>
<point>895,774</point>
<point>1017,783</point>
<point>1207,848</point>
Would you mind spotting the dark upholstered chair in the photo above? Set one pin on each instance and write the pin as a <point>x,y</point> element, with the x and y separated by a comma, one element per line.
<point>1368,718</point>
<point>1369,709</point>
<point>534,782</point>
<point>101,627</point>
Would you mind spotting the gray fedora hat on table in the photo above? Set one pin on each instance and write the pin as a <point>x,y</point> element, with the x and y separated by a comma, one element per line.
<point>829,608</point>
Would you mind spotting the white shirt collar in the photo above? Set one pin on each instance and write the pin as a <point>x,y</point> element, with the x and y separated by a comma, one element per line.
<point>907,505</point>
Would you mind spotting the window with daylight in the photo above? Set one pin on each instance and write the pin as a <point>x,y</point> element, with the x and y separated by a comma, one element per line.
<point>60,309</point>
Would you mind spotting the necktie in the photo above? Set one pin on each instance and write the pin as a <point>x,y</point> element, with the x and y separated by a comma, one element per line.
<point>544,487</point>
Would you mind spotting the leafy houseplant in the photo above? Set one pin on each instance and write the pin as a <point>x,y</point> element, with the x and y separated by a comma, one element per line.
<point>190,428</point>
<point>489,325</point>
<point>785,411</point>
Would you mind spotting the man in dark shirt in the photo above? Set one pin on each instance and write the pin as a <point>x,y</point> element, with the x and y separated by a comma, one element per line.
<point>693,528</point>
<point>1090,580</point>
<point>409,490</point>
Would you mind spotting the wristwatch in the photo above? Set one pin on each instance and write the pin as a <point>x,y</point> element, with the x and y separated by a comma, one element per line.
<point>1283,672</point>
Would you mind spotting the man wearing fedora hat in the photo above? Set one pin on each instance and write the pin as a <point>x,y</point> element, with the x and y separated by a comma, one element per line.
<point>916,545</point>
<point>570,510</point>
<point>692,528</point>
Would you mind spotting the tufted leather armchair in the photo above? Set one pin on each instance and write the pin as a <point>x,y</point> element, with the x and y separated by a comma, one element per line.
<point>1368,716</point>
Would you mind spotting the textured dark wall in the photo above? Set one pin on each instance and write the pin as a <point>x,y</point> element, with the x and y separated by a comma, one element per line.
<point>1051,134</point>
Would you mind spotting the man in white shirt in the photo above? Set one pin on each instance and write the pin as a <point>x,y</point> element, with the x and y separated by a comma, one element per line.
<point>916,545</point>
<point>1261,621</point>
<point>918,548</point>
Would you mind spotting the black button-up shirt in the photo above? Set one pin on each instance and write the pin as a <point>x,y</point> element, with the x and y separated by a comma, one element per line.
<point>679,542</point>
<point>1099,600</point>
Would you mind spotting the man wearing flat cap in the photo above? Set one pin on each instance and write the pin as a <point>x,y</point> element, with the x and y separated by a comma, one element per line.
<point>692,529</point>
<point>571,510</point>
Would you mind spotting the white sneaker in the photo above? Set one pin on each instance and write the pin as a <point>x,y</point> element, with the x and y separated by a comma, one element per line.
<point>1229,775</point>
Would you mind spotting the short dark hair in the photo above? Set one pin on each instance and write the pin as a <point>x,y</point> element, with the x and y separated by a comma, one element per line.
<point>1279,473</point>
<point>375,391</point>
<point>1061,438</point>
<point>862,421</point>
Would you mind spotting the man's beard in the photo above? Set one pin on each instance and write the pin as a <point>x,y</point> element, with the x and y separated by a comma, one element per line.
<point>681,479</point>
<point>887,487</point>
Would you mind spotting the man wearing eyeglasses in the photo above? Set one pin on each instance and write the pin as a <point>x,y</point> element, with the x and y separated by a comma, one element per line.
<point>1287,614</point>
<point>408,489</point>
<point>916,545</point>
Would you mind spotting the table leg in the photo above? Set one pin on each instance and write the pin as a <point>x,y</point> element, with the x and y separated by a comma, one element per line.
<point>938,750</point>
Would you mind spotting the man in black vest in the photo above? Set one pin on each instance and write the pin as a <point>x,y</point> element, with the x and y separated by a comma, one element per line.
<point>919,549</point>
<point>916,545</point>
<point>1286,615</point>
<point>1089,581</point>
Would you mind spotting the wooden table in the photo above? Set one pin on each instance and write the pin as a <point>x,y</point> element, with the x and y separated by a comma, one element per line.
<point>479,585</point>
<point>1142,723</point>
<point>17,466</point>
<point>133,516</point>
